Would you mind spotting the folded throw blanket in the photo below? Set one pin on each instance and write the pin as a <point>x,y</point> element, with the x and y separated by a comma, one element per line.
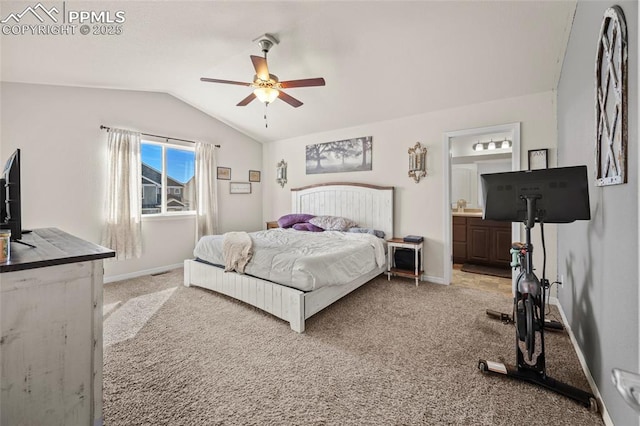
<point>237,251</point>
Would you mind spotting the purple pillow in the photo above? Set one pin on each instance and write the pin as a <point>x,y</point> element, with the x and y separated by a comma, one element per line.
<point>307,227</point>
<point>288,220</point>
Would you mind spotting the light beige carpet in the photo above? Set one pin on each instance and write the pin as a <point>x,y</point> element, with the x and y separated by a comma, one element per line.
<point>389,353</point>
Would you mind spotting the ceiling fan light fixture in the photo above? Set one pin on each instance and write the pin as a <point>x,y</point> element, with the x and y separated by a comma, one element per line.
<point>266,94</point>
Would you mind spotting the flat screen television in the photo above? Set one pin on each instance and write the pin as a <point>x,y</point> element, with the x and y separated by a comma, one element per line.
<point>10,214</point>
<point>561,195</point>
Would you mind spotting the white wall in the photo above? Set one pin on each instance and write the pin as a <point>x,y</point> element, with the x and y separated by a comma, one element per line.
<point>64,163</point>
<point>599,257</point>
<point>419,207</point>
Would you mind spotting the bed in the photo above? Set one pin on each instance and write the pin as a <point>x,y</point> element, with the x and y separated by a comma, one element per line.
<point>368,205</point>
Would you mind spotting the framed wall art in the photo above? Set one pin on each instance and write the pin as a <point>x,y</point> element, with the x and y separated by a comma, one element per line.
<point>239,188</point>
<point>350,155</point>
<point>538,159</point>
<point>611,100</point>
<point>224,173</point>
<point>254,176</point>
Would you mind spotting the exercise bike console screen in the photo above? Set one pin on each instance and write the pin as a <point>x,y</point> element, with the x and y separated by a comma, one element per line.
<point>561,195</point>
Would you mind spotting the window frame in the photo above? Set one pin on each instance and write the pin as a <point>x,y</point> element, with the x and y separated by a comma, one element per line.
<point>163,185</point>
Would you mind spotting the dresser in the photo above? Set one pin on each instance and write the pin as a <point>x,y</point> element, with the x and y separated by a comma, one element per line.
<point>51,328</point>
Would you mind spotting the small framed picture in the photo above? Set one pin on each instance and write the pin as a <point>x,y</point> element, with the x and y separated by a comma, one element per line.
<point>224,173</point>
<point>538,159</point>
<point>239,188</point>
<point>254,176</point>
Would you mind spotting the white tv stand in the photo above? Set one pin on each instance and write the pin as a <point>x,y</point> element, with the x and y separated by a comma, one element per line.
<point>51,331</point>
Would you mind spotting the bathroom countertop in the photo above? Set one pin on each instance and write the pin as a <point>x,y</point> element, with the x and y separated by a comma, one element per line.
<point>468,213</point>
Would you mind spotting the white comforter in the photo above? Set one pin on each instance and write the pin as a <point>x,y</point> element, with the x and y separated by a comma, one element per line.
<point>304,260</point>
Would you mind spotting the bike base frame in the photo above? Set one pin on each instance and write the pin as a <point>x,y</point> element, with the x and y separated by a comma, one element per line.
<point>586,399</point>
<point>550,325</point>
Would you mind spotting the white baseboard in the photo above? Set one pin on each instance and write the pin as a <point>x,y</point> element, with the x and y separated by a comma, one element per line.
<point>114,278</point>
<point>431,279</point>
<point>583,363</point>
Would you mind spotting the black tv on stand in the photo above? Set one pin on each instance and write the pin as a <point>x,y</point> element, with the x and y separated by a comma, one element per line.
<point>11,211</point>
<point>561,195</point>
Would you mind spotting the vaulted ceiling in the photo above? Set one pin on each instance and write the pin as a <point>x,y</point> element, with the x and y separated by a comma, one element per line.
<point>381,59</point>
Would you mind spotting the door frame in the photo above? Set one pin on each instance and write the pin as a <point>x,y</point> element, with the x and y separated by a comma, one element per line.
<point>514,128</point>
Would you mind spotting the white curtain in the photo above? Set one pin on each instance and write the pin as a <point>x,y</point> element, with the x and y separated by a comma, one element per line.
<point>206,192</point>
<point>122,231</point>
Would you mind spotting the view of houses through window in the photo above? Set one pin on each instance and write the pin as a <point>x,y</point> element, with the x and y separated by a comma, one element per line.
<point>168,181</point>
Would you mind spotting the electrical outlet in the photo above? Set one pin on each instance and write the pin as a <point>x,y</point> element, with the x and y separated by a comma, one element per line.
<point>560,280</point>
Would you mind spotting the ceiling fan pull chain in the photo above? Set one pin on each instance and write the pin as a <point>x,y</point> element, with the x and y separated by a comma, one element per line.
<point>266,123</point>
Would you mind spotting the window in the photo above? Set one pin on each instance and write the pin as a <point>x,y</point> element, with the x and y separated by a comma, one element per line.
<point>168,178</point>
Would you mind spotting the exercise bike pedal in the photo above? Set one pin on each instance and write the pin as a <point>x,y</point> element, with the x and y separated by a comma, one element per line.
<point>492,367</point>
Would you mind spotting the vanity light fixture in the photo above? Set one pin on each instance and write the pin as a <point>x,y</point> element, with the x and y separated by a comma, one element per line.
<point>483,146</point>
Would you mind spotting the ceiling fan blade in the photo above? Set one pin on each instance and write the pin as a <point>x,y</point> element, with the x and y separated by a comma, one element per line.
<point>289,99</point>
<point>246,100</point>
<point>215,80</point>
<point>260,64</point>
<point>307,82</point>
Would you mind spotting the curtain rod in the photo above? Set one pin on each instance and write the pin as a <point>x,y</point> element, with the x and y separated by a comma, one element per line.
<point>156,136</point>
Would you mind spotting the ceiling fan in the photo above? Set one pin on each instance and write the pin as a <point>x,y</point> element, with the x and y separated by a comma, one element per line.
<point>266,86</point>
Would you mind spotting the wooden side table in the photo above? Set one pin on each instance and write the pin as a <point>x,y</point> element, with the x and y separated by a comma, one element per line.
<point>272,224</point>
<point>394,243</point>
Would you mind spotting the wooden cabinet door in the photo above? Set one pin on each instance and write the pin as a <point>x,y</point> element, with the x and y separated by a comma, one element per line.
<point>502,244</point>
<point>459,239</point>
<point>478,243</point>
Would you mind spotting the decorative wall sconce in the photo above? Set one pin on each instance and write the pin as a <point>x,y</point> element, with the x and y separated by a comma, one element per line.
<point>417,162</point>
<point>281,173</point>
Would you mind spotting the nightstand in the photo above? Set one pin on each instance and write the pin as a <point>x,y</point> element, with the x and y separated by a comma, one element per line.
<point>395,243</point>
<point>273,224</point>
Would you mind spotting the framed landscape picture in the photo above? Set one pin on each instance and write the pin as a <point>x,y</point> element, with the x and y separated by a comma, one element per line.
<point>350,155</point>
<point>224,173</point>
<point>254,176</point>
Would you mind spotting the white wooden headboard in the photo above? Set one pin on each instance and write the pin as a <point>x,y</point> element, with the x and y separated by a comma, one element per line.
<point>370,206</point>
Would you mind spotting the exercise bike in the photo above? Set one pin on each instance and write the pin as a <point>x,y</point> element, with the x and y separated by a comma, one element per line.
<point>528,317</point>
<point>518,258</point>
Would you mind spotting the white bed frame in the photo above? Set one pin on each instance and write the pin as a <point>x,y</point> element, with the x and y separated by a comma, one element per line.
<point>370,206</point>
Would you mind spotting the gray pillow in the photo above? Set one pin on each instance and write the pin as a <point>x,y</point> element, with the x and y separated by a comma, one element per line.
<point>333,223</point>
<point>377,233</point>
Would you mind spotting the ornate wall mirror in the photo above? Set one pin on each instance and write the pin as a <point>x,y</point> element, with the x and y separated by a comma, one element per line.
<point>417,162</point>
<point>281,173</point>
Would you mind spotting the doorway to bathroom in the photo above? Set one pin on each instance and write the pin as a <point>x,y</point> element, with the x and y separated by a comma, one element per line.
<point>477,251</point>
